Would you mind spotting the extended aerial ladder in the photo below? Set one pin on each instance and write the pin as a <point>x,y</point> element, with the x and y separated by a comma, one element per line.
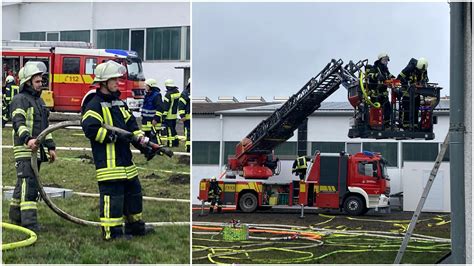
<point>254,154</point>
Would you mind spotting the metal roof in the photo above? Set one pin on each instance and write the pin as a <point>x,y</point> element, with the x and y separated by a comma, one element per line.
<point>342,108</point>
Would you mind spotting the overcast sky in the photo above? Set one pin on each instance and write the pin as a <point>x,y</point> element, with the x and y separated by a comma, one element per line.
<point>273,49</point>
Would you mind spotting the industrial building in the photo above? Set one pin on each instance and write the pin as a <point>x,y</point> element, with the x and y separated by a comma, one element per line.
<point>219,126</point>
<point>159,32</point>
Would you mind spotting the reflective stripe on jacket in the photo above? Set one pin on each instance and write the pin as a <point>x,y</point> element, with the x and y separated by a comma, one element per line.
<point>112,156</point>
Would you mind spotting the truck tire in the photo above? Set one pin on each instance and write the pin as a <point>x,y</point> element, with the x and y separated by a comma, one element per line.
<point>354,205</point>
<point>248,202</point>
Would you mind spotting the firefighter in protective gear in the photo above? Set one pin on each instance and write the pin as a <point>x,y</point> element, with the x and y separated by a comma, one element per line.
<point>9,91</point>
<point>184,111</point>
<point>415,72</point>
<point>152,111</point>
<point>214,195</point>
<point>29,118</point>
<point>377,74</point>
<point>117,176</point>
<point>171,112</point>
<point>300,165</point>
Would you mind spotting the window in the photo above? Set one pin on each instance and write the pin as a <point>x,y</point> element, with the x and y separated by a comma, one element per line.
<point>91,63</point>
<point>353,148</point>
<point>420,152</point>
<point>205,152</point>
<point>52,36</point>
<point>446,154</point>
<point>389,151</point>
<point>286,148</point>
<point>367,168</point>
<point>229,149</point>
<point>113,39</point>
<point>188,43</point>
<point>137,42</point>
<point>163,43</point>
<point>327,147</point>
<point>33,36</point>
<point>76,36</point>
<point>71,65</point>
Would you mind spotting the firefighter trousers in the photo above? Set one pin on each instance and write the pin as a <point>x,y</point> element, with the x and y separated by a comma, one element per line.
<point>121,201</point>
<point>23,205</point>
<point>153,136</point>
<point>406,112</point>
<point>171,134</point>
<point>187,133</point>
<point>214,200</point>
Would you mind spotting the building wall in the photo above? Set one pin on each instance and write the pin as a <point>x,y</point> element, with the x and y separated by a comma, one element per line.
<point>32,17</point>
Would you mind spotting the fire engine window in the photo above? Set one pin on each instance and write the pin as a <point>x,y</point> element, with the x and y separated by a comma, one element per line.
<point>71,65</point>
<point>367,169</point>
<point>91,63</point>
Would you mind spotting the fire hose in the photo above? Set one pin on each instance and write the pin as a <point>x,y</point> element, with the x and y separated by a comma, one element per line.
<point>364,92</point>
<point>48,200</point>
<point>377,241</point>
<point>23,243</point>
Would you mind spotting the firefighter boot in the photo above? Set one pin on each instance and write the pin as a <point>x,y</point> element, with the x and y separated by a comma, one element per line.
<point>211,209</point>
<point>219,209</point>
<point>138,228</point>
<point>14,213</point>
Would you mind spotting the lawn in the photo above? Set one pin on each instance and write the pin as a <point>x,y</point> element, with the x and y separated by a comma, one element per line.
<point>63,242</point>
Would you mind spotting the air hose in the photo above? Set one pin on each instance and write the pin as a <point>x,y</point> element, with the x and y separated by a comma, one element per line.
<point>23,243</point>
<point>50,203</point>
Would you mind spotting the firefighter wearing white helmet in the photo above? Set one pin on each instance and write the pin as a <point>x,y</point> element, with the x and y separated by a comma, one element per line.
<point>29,118</point>
<point>378,91</point>
<point>184,111</point>
<point>170,113</point>
<point>9,91</point>
<point>214,195</point>
<point>117,175</point>
<point>152,111</point>
<point>416,72</point>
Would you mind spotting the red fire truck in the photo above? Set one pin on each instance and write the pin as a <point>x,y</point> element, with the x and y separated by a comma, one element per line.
<point>354,183</point>
<point>71,72</point>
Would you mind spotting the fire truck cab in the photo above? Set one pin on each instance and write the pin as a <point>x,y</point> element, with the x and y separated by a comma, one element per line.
<point>71,72</point>
<point>353,183</point>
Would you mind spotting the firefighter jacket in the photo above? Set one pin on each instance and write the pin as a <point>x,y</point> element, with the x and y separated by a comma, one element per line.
<point>171,103</point>
<point>214,189</point>
<point>301,163</point>
<point>10,90</point>
<point>377,74</point>
<point>152,108</point>
<point>184,106</point>
<point>112,154</point>
<point>29,117</point>
<point>412,74</point>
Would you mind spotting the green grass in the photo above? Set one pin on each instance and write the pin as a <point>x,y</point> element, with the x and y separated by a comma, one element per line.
<point>61,241</point>
<point>336,250</point>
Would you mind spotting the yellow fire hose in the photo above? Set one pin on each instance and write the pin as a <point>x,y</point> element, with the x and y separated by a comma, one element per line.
<point>23,243</point>
<point>364,93</point>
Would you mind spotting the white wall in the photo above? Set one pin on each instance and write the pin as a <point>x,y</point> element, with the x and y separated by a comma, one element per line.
<point>10,22</point>
<point>415,175</point>
<point>161,71</point>
<point>98,15</point>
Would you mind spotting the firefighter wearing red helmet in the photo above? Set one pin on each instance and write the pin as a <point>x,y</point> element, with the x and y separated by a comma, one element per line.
<point>29,119</point>
<point>117,175</point>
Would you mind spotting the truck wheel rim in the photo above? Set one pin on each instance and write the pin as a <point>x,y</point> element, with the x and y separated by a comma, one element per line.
<point>353,205</point>
<point>248,203</point>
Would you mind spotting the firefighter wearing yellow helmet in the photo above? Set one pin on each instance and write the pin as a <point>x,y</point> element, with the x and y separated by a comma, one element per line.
<point>29,119</point>
<point>415,72</point>
<point>117,175</point>
<point>184,111</point>
<point>171,112</point>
